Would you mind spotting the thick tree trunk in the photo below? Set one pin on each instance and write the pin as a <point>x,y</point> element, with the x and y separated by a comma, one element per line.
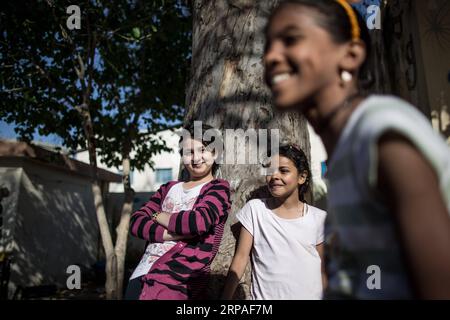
<point>227,91</point>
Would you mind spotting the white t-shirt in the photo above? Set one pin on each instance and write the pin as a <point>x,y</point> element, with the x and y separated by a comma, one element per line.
<point>285,261</point>
<point>176,200</point>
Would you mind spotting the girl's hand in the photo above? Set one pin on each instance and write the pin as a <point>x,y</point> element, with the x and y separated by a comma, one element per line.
<point>239,263</point>
<point>320,249</point>
<point>163,219</point>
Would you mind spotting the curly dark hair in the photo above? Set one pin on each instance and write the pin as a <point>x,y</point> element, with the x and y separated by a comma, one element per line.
<point>298,157</point>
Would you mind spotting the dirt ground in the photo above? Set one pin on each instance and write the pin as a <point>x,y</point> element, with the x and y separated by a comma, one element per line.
<point>88,291</point>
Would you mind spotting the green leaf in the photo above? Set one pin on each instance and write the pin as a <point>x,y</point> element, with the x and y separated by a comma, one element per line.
<point>136,33</point>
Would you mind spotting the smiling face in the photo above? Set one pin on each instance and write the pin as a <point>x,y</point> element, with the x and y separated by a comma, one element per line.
<point>285,181</point>
<point>301,59</point>
<point>196,158</point>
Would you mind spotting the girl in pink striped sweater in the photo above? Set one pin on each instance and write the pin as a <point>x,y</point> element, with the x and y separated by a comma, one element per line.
<point>183,223</point>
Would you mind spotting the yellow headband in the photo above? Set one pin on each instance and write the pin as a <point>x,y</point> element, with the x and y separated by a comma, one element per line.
<point>356,32</point>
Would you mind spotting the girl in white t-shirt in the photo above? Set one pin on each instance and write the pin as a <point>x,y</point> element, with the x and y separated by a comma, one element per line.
<point>282,234</point>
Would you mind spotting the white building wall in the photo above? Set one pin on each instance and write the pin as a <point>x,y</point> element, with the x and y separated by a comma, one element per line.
<point>144,181</point>
<point>49,224</point>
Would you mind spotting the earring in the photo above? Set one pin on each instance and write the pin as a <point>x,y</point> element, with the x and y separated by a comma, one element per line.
<point>346,76</point>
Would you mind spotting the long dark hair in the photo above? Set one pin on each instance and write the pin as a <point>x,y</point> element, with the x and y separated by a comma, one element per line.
<point>298,157</point>
<point>336,21</point>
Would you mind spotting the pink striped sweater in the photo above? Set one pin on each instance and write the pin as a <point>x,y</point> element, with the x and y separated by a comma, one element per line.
<point>184,269</point>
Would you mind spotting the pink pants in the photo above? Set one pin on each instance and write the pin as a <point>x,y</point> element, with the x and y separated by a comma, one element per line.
<point>158,291</point>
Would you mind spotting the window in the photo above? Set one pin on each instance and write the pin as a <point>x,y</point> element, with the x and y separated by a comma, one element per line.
<point>163,175</point>
<point>131,177</point>
<point>323,168</point>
